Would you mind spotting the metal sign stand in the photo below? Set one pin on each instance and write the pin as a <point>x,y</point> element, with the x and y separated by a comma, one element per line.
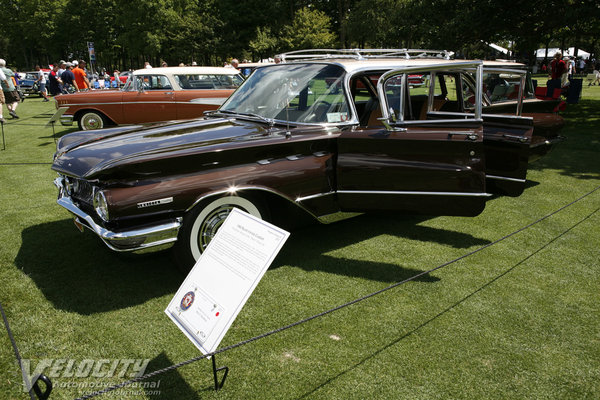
<point>55,118</point>
<point>219,385</point>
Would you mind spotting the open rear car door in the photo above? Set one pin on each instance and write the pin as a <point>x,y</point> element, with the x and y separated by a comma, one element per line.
<point>433,167</point>
<point>507,137</point>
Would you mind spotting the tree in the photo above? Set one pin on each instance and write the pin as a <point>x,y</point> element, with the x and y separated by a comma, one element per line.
<point>264,42</point>
<point>309,29</point>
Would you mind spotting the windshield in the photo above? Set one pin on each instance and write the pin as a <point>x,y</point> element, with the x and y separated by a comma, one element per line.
<point>303,93</point>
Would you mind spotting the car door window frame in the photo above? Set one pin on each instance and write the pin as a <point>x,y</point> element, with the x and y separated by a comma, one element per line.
<point>399,122</point>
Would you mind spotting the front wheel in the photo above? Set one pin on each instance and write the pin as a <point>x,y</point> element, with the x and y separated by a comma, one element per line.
<point>202,223</point>
<point>91,120</point>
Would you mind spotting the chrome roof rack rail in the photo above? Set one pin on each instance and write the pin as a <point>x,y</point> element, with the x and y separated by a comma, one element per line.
<point>363,54</point>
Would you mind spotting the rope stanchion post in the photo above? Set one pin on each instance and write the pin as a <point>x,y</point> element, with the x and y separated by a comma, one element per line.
<point>33,389</point>
<point>3,142</point>
<point>48,387</point>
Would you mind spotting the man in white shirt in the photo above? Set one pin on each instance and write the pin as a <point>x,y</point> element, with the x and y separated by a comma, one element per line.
<point>41,81</point>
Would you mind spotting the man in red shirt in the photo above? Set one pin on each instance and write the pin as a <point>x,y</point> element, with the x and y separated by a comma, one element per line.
<point>81,77</point>
<point>558,66</point>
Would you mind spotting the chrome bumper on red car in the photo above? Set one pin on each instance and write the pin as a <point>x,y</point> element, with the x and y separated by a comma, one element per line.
<point>127,240</point>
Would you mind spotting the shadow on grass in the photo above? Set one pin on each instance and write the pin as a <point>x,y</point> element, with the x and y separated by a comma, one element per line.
<point>77,273</point>
<point>307,248</point>
<point>169,385</point>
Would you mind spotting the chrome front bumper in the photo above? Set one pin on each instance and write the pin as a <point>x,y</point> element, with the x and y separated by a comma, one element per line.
<point>129,240</point>
<point>59,115</point>
<point>66,120</point>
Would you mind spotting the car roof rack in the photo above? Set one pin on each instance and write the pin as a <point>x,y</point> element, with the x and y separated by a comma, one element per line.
<point>363,54</point>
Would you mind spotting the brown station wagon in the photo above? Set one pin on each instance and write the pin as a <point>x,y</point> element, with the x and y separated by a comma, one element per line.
<point>286,143</point>
<point>150,95</point>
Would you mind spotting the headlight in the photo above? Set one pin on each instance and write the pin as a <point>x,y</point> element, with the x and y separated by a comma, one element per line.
<point>68,186</point>
<point>101,205</point>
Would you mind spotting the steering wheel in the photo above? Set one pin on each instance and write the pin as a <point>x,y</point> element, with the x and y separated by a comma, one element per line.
<point>318,110</point>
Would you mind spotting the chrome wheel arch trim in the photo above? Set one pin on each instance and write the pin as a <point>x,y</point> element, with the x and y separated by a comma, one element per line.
<point>236,190</point>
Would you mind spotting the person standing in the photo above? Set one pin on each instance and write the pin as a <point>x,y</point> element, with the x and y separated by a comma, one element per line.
<point>81,77</point>
<point>571,67</point>
<point>68,79</point>
<point>557,67</point>
<point>54,81</point>
<point>41,81</point>
<point>11,97</point>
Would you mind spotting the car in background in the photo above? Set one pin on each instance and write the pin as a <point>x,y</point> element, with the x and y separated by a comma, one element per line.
<point>28,83</point>
<point>248,68</point>
<point>123,76</point>
<point>308,137</point>
<point>151,95</point>
<point>508,89</point>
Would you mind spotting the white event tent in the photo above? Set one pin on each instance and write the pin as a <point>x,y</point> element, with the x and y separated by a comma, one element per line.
<point>541,53</point>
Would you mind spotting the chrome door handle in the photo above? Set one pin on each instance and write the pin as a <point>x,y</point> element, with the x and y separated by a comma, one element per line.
<point>521,139</point>
<point>469,135</point>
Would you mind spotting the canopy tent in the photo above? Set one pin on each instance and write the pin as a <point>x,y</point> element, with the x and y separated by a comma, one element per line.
<point>541,53</point>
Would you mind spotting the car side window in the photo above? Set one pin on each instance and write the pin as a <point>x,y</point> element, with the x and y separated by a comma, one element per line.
<point>154,82</point>
<point>500,87</point>
<point>191,82</point>
<point>427,96</point>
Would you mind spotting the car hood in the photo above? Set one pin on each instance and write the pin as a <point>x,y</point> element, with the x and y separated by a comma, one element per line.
<point>149,150</point>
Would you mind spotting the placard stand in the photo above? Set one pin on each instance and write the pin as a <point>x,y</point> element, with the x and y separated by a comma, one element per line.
<point>55,118</point>
<point>222,280</point>
<point>219,385</point>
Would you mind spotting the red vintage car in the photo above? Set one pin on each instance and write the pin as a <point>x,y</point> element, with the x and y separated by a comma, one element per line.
<point>151,95</point>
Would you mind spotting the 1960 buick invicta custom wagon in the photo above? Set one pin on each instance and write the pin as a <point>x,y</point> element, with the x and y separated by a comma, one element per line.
<point>150,95</point>
<point>286,143</point>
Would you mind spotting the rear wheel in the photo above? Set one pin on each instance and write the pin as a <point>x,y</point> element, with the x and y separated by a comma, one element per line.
<point>202,223</point>
<point>91,120</point>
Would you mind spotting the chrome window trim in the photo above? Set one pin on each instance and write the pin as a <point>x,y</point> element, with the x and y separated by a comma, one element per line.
<point>477,66</point>
<point>440,121</point>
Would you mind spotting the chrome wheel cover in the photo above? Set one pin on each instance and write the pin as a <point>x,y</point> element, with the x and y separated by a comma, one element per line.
<point>91,121</point>
<point>211,224</point>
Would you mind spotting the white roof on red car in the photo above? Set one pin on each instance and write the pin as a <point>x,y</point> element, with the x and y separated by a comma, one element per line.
<point>187,71</point>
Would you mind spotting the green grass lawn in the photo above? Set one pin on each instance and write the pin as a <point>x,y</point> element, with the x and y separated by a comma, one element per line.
<point>518,320</point>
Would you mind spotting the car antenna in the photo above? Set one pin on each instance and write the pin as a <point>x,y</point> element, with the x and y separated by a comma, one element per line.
<point>288,134</point>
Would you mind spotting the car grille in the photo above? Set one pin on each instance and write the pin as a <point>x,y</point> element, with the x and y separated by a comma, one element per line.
<point>82,190</point>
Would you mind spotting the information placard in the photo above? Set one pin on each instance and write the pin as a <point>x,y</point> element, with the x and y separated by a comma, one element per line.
<point>216,289</point>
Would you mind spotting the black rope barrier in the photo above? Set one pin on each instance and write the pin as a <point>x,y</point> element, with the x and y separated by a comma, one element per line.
<point>326,312</point>
<point>16,349</point>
